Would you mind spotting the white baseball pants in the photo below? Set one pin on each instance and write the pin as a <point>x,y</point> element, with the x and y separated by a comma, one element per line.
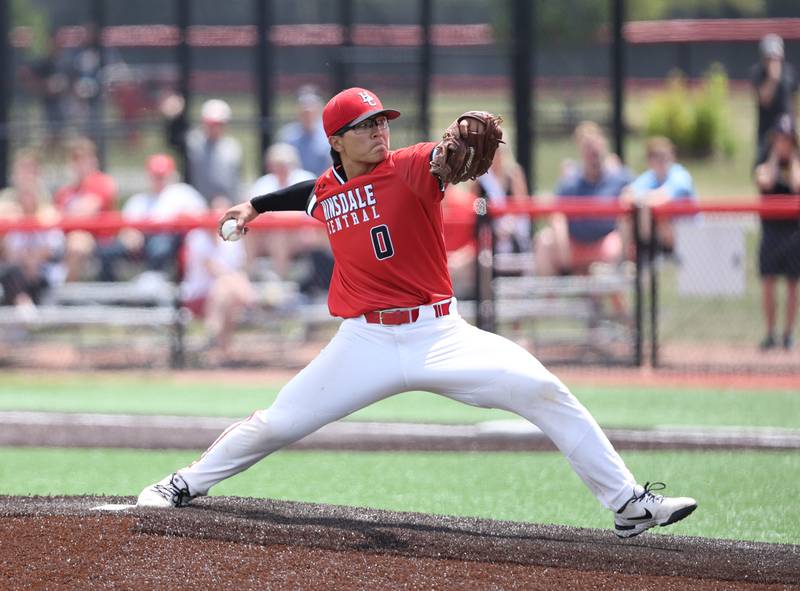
<point>365,363</point>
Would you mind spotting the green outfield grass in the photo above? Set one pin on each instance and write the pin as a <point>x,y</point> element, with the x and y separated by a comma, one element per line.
<point>740,494</point>
<point>612,406</point>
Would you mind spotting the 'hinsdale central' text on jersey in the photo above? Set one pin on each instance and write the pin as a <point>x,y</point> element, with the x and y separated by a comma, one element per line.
<point>385,230</point>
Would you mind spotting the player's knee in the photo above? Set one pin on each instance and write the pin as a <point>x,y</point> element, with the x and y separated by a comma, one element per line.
<point>554,389</point>
<point>541,386</point>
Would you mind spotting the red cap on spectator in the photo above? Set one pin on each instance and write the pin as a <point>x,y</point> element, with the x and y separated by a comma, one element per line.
<point>160,164</point>
<point>350,107</point>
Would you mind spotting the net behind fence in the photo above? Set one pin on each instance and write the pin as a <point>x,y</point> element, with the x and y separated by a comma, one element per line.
<point>709,306</point>
<point>699,307</point>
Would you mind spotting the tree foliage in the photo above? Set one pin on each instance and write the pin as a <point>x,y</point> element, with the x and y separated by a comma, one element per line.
<point>666,9</point>
<point>696,120</point>
<point>26,14</point>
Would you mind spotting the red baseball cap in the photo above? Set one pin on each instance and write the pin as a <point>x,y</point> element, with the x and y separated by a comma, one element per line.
<point>160,164</point>
<point>350,107</point>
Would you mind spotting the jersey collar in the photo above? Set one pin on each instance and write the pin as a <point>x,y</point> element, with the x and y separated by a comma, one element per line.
<point>339,174</point>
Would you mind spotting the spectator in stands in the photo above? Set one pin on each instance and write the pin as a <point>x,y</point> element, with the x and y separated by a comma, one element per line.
<point>90,64</point>
<point>48,78</point>
<point>664,181</point>
<point>30,261</point>
<point>779,252</point>
<point>89,193</point>
<point>775,83</point>
<point>167,199</point>
<point>571,244</point>
<point>503,184</point>
<point>27,186</point>
<point>215,156</point>
<point>306,133</point>
<point>282,164</point>
<point>283,168</point>
<point>215,285</point>
<point>172,107</point>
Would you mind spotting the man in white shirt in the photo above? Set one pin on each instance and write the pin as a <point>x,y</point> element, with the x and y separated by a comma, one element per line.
<point>166,200</point>
<point>282,163</point>
<point>215,156</point>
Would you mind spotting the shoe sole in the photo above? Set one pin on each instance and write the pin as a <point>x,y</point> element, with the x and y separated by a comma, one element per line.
<point>676,516</point>
<point>679,514</point>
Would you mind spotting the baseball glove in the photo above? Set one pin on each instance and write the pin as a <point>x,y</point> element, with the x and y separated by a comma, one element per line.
<point>461,156</point>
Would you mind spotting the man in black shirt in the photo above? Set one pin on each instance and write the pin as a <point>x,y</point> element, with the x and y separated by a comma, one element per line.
<point>775,84</point>
<point>779,251</point>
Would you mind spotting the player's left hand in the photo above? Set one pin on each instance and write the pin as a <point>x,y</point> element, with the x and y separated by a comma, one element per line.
<point>467,147</point>
<point>470,125</point>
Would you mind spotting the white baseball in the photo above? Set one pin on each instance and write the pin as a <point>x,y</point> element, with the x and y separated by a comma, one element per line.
<point>229,231</point>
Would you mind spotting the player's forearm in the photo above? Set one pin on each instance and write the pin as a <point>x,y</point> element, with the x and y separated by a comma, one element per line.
<point>294,198</point>
<point>794,175</point>
<point>766,174</point>
<point>766,91</point>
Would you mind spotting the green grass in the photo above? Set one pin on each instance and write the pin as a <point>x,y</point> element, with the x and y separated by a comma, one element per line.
<point>736,491</point>
<point>611,406</point>
<point>523,487</point>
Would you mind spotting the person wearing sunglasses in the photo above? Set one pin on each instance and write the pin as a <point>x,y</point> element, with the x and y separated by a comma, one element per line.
<point>401,329</point>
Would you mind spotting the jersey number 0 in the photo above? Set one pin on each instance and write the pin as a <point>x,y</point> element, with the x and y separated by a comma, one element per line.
<point>382,242</point>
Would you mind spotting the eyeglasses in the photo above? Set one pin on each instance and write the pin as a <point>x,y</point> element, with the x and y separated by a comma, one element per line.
<point>367,126</point>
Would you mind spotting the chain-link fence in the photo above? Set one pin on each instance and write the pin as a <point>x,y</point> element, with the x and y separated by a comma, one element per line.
<point>108,70</point>
<point>707,299</point>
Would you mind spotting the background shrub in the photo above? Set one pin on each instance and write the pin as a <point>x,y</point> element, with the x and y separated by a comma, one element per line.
<point>694,119</point>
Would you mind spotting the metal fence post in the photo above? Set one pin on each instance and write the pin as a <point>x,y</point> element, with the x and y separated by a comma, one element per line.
<point>651,261</point>
<point>618,75</point>
<point>342,69</point>
<point>177,345</point>
<point>425,69</point>
<point>184,59</point>
<point>523,59</point>
<point>638,337</point>
<point>264,74</point>
<point>96,123</point>
<point>5,88</point>
<point>484,271</point>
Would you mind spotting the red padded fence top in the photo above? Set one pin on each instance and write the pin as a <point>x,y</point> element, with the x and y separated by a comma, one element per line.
<point>110,222</point>
<point>447,35</point>
<point>773,207</point>
<point>300,35</point>
<point>710,30</point>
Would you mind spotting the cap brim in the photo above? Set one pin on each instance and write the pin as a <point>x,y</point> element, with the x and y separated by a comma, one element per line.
<point>389,113</point>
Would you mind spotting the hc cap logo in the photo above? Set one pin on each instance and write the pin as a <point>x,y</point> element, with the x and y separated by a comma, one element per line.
<point>367,98</point>
<point>350,107</point>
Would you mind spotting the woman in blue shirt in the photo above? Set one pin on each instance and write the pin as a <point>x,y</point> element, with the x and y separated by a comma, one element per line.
<point>664,181</point>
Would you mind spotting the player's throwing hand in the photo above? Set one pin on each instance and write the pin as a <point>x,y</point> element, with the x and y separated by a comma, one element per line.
<point>243,213</point>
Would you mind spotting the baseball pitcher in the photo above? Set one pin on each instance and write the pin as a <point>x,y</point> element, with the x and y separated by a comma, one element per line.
<point>401,329</point>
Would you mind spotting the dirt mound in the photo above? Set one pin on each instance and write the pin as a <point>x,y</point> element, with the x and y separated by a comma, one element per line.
<point>236,543</point>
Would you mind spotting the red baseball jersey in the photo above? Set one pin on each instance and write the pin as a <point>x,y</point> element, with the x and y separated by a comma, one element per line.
<point>385,230</point>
